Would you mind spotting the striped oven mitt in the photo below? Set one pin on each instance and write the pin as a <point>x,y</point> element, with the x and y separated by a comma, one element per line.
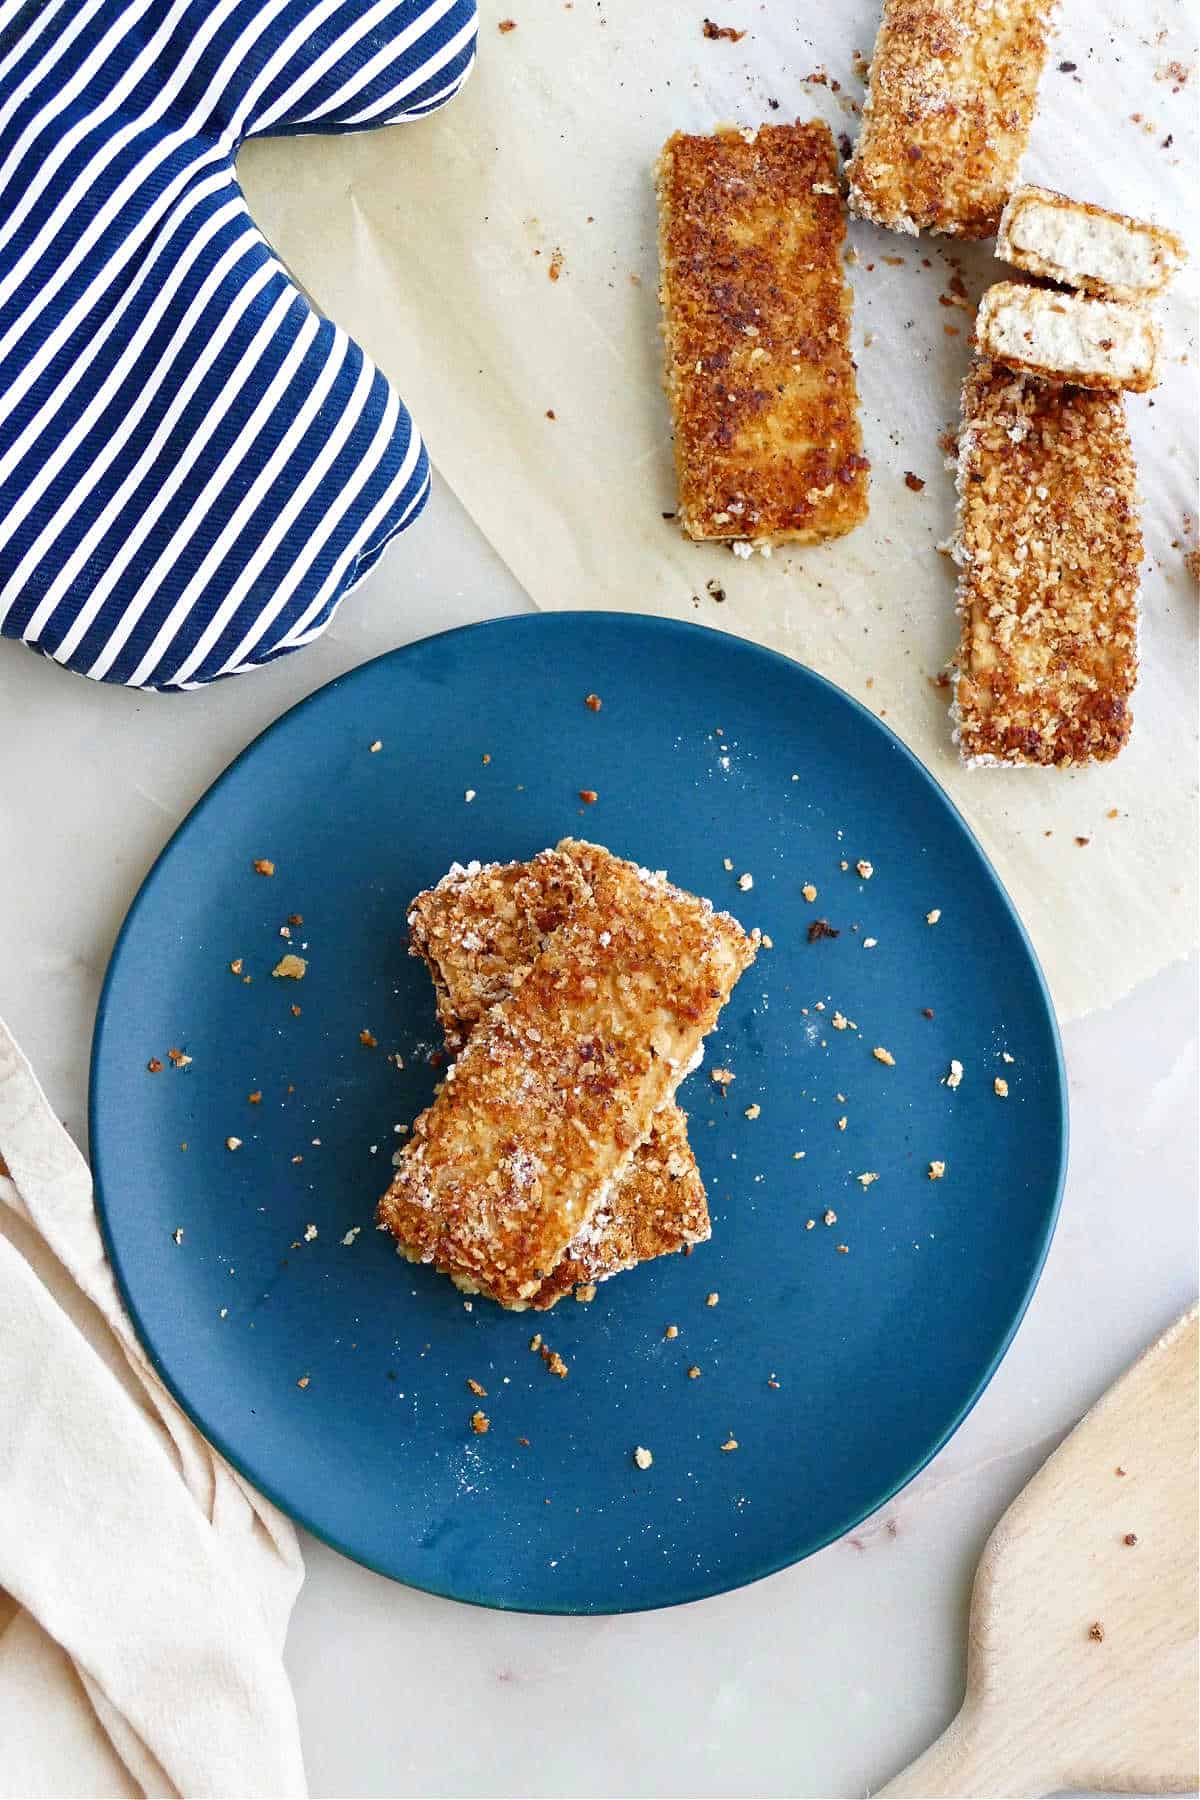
<point>195,466</point>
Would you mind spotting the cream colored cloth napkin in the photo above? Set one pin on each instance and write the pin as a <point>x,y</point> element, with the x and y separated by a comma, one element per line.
<point>148,1587</point>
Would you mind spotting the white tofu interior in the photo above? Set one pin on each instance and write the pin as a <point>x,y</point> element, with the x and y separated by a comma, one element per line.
<point>1107,248</point>
<point>1062,332</point>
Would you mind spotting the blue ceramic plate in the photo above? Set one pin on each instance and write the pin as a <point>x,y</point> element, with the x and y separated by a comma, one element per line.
<point>333,1374</point>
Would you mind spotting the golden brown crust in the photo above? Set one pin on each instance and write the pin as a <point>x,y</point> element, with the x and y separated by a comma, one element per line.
<point>540,1117</point>
<point>949,105</point>
<point>479,931</point>
<point>657,1208</point>
<point>756,318</point>
<point>1166,252</point>
<point>481,928</point>
<point>1051,549</point>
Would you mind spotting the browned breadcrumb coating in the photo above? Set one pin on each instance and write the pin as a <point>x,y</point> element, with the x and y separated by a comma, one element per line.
<point>658,1207</point>
<point>480,930</point>
<point>949,105</point>
<point>756,318</point>
<point>1050,549</point>
<point>540,1118</point>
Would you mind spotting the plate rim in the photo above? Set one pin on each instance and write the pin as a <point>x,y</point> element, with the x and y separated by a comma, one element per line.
<point>700,1590</point>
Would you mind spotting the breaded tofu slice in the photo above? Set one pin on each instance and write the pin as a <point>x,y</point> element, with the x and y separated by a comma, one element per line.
<point>1069,337</point>
<point>1050,550</point>
<point>539,1120</point>
<point>657,1208</point>
<point>756,318</point>
<point>1087,247</point>
<point>950,101</point>
<point>479,931</point>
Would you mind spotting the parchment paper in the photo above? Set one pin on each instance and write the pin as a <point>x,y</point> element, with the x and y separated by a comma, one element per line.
<point>435,244</point>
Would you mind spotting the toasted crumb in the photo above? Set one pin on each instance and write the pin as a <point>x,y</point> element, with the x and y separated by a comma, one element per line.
<point>936,1170</point>
<point>809,892</point>
<point>291,968</point>
<point>722,1077</point>
<point>727,863</point>
<point>593,702</point>
<point>155,1067</point>
<point>178,1059</point>
<point>810,1224</point>
<point>507,25</point>
<point>672,1331</point>
<point>931,918</point>
<point>694,1372</point>
<point>263,866</point>
<point>1005,1057</point>
<point>304,1381</point>
<point>746,882</point>
<point>711,1299</point>
<point>295,1012</point>
<point>1000,1086</point>
<point>730,1444</point>
<point>842,1249</point>
<point>589,796</point>
<point>535,1342</point>
<point>477,1388</point>
<point>310,1232</point>
<point>842,1123</point>
<point>1096,1632</point>
<point>865,869</point>
<point>956,1073</point>
<point>715,31</point>
<point>883,1056</point>
<point>554,1363</point>
<point>349,1236</point>
<point>829,1217</point>
<point>177,1234</point>
<point>867,1177</point>
<point>233,1143</point>
<point>235,967</point>
<point>642,1457</point>
<point>821,928</point>
<point>376,746</point>
<point>914,482</point>
<point>1130,1538</point>
<point>480,1422</point>
<point>752,1112</point>
<point>768,943</point>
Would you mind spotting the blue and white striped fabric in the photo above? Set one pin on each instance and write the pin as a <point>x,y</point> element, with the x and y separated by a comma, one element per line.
<point>195,466</point>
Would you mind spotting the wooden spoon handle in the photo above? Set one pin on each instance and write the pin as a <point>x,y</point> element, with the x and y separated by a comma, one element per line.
<point>969,1762</point>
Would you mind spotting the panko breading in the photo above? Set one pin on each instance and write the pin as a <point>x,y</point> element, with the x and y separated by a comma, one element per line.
<point>479,931</point>
<point>1087,247</point>
<point>1069,337</point>
<point>1050,549</point>
<point>657,1207</point>
<point>949,105</point>
<point>539,1119</point>
<point>756,319</point>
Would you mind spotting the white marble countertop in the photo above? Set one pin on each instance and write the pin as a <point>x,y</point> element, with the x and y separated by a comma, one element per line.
<point>822,1680</point>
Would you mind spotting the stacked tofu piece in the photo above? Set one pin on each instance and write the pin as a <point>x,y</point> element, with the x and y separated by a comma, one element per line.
<point>575,991</point>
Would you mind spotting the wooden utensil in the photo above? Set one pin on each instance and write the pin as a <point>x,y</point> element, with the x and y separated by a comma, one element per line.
<point>1082,1650</point>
